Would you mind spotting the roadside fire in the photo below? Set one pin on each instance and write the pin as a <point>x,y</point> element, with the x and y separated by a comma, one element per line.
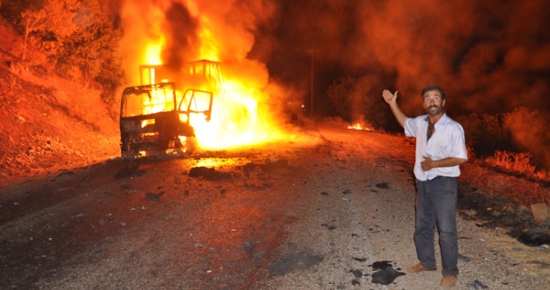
<point>358,126</point>
<point>360,123</point>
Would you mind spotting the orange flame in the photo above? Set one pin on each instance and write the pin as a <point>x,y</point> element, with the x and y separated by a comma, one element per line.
<point>236,118</point>
<point>153,51</point>
<point>358,126</point>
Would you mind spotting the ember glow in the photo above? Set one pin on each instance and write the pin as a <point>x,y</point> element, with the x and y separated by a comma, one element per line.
<point>174,33</point>
<point>358,126</point>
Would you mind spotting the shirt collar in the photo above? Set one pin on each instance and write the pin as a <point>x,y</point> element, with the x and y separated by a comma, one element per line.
<point>444,119</point>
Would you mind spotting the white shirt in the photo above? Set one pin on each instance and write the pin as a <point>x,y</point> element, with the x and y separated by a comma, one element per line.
<point>446,141</point>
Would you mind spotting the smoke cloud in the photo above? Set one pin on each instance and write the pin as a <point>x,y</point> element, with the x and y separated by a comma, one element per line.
<point>490,56</point>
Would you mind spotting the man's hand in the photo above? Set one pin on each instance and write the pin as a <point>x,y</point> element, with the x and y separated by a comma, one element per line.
<point>389,97</point>
<point>427,164</point>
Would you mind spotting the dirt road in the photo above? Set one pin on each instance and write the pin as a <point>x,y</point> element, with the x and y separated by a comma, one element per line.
<point>336,213</point>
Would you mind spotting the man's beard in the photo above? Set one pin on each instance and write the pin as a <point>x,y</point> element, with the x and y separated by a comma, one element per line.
<point>434,112</point>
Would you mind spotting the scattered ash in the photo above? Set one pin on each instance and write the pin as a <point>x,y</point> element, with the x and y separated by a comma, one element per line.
<point>129,170</point>
<point>382,185</point>
<point>154,196</point>
<point>475,285</point>
<point>208,173</point>
<point>385,273</point>
<point>271,165</point>
<point>497,211</point>
<point>356,273</point>
<point>535,238</point>
<point>381,265</point>
<point>301,260</point>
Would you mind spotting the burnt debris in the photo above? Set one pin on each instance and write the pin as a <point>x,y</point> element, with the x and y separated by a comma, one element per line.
<point>385,273</point>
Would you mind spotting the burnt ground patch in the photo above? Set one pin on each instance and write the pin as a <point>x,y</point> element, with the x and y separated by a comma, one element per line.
<point>492,211</point>
<point>300,260</point>
<point>384,273</point>
<point>208,173</point>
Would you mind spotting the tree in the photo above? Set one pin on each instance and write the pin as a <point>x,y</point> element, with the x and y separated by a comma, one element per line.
<point>49,17</point>
<point>90,53</point>
<point>340,95</point>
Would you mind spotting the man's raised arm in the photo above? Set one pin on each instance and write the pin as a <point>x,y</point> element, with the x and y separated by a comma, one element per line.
<point>391,99</point>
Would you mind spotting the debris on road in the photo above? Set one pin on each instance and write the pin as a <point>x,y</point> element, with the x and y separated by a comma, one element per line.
<point>385,273</point>
<point>476,285</point>
<point>154,196</point>
<point>208,173</point>
<point>301,260</point>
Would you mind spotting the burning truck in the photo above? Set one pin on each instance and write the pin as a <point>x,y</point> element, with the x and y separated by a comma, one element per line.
<point>156,116</point>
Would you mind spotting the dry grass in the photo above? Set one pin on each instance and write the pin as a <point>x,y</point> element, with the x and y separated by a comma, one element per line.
<point>510,176</point>
<point>517,163</point>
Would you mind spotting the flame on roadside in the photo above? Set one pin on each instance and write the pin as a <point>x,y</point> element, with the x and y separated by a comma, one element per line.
<point>238,118</point>
<point>358,126</point>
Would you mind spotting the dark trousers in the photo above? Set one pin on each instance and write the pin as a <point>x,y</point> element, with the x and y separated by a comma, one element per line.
<point>436,205</point>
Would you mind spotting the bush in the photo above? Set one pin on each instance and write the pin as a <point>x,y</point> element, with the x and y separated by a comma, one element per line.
<point>486,134</point>
<point>516,141</point>
<point>340,94</point>
<point>529,132</point>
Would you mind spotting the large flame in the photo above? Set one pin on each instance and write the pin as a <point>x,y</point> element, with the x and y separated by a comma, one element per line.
<point>237,118</point>
<point>153,51</point>
<point>209,48</point>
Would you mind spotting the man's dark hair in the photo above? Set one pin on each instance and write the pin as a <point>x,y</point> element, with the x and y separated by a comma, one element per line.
<point>433,88</point>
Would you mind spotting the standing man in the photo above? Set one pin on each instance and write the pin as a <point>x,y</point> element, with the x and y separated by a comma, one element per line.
<point>440,149</point>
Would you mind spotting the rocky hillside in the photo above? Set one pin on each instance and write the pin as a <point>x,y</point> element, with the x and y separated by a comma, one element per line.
<point>48,123</point>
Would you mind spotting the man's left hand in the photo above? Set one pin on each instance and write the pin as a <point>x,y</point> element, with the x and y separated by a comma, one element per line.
<point>427,164</point>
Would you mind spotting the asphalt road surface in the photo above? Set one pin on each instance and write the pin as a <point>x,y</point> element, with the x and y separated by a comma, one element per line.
<point>333,213</point>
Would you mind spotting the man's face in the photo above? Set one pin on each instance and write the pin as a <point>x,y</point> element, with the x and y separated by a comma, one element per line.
<point>433,103</point>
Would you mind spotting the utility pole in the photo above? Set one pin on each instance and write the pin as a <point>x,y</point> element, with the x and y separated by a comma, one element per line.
<point>312,51</point>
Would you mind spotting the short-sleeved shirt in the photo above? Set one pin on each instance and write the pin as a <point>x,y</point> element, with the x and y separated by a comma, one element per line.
<point>446,141</point>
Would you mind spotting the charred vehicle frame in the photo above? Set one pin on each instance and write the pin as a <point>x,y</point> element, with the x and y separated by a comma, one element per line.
<point>156,117</point>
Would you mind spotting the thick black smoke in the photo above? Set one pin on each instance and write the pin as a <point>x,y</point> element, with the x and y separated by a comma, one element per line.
<point>180,30</point>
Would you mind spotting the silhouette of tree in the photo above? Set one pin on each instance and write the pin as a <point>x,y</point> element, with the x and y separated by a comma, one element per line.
<point>90,53</point>
<point>48,19</point>
<point>340,94</point>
